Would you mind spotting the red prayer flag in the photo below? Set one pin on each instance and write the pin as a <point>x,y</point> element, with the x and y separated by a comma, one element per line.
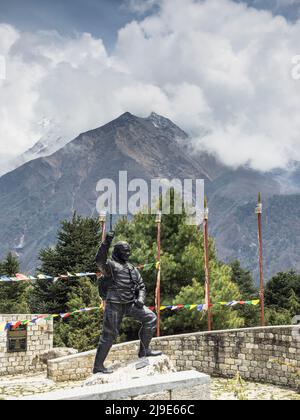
<point>16,325</point>
<point>21,277</point>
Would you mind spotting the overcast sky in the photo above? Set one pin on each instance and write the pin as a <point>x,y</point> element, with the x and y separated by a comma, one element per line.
<point>217,64</point>
<point>102,18</point>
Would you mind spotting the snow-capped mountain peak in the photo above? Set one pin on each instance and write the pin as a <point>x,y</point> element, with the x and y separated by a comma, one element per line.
<point>50,141</point>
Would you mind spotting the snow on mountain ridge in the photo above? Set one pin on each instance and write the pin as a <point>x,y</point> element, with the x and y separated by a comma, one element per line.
<point>50,141</point>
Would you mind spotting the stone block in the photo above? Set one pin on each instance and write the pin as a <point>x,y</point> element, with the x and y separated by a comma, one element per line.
<point>163,396</point>
<point>195,384</point>
<point>200,392</point>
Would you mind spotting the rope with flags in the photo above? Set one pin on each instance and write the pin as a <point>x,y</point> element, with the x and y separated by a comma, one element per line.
<point>22,277</point>
<point>39,319</point>
<point>203,306</point>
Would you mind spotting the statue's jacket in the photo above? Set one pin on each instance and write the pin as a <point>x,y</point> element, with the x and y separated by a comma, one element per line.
<point>120,282</point>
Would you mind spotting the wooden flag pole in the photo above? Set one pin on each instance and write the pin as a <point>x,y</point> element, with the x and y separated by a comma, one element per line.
<point>261,268</point>
<point>111,215</point>
<point>206,263</point>
<point>102,219</point>
<point>157,292</point>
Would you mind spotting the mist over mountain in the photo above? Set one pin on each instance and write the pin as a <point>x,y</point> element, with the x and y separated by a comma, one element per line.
<point>42,192</point>
<point>51,140</point>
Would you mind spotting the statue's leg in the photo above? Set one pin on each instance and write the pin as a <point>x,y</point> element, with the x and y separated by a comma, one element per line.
<point>148,320</point>
<point>113,316</point>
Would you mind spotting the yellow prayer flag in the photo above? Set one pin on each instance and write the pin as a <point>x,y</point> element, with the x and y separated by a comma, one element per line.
<point>193,307</point>
<point>255,302</point>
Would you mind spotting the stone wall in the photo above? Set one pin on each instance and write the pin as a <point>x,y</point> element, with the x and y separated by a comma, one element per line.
<point>269,354</point>
<point>39,340</point>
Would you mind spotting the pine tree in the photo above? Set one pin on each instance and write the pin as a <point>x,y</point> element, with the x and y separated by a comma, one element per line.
<point>277,316</point>
<point>77,244</point>
<point>13,295</point>
<point>294,303</point>
<point>81,331</point>
<point>222,289</point>
<point>10,266</point>
<point>279,288</point>
<point>243,279</point>
<point>282,298</point>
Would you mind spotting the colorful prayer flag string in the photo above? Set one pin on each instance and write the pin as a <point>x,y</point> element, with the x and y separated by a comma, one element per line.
<point>42,318</point>
<point>4,326</point>
<point>22,277</point>
<point>201,307</point>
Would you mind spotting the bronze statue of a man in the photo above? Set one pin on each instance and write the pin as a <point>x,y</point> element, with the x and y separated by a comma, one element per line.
<point>124,292</point>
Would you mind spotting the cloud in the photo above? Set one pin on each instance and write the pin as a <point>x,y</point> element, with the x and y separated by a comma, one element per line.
<point>217,65</point>
<point>239,61</point>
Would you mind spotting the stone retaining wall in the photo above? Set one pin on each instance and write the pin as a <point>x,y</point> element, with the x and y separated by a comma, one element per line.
<point>268,354</point>
<point>39,340</point>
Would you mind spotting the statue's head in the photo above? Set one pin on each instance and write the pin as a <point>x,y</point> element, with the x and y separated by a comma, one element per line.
<point>121,252</point>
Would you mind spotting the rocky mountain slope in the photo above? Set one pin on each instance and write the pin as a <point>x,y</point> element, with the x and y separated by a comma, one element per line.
<point>44,191</point>
<point>37,195</point>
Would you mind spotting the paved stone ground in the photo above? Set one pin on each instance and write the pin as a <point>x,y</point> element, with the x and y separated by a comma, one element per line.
<point>235,389</point>
<point>19,386</point>
<point>221,389</point>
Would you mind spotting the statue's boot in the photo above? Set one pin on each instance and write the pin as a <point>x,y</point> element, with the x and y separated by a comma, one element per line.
<point>146,337</point>
<point>101,355</point>
<point>149,353</point>
<point>102,369</point>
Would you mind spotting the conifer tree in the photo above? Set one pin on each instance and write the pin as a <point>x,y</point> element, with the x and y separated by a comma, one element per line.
<point>13,295</point>
<point>243,279</point>
<point>10,266</point>
<point>75,251</point>
<point>77,242</point>
<point>294,303</point>
<point>81,331</point>
<point>279,289</point>
<point>182,263</point>
<point>282,297</point>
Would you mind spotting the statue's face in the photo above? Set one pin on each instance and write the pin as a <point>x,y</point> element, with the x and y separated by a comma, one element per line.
<point>122,251</point>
